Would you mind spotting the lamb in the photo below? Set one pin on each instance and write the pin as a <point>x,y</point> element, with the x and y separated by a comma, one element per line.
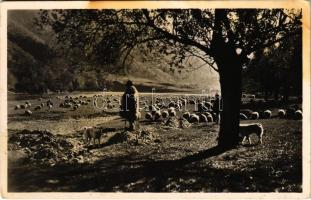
<point>90,133</point>
<point>267,114</point>
<point>194,118</point>
<point>281,113</point>
<point>247,129</point>
<point>255,115</point>
<point>298,114</point>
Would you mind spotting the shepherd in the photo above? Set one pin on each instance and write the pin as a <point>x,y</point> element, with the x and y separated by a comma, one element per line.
<point>130,105</point>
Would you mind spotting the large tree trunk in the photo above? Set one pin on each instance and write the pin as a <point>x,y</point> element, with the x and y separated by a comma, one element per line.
<point>230,71</point>
<point>230,83</point>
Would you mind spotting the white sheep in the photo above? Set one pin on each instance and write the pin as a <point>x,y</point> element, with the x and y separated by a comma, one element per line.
<point>50,106</point>
<point>298,114</point>
<point>203,118</point>
<point>194,118</point>
<point>39,107</point>
<point>245,130</point>
<point>281,113</point>
<point>17,107</point>
<point>255,115</point>
<point>186,115</point>
<point>28,112</point>
<point>209,117</point>
<point>267,114</point>
<point>157,115</point>
<point>172,113</point>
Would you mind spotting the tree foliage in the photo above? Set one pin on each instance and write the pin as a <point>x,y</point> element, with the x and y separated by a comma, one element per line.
<point>106,35</point>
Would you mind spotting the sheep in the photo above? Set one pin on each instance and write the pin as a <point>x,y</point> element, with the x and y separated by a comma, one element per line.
<point>186,115</point>
<point>50,106</point>
<point>171,111</point>
<point>48,102</point>
<point>243,116</point>
<point>157,115</point>
<point>194,118</point>
<point>165,114</point>
<point>281,113</point>
<point>246,112</point>
<point>38,107</point>
<point>17,107</point>
<point>172,104</point>
<point>252,96</point>
<point>243,95</point>
<point>68,105</point>
<point>191,101</point>
<point>42,104</point>
<point>298,114</point>
<point>148,116</point>
<point>254,115</point>
<point>202,118</point>
<point>202,107</point>
<point>267,114</point>
<point>28,104</point>
<point>245,130</point>
<point>28,112</point>
<point>209,118</point>
<point>209,105</point>
<point>90,133</point>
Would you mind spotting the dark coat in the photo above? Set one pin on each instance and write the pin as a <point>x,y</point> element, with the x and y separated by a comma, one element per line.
<point>130,104</point>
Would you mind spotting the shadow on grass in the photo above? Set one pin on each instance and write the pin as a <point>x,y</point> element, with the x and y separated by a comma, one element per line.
<point>128,175</point>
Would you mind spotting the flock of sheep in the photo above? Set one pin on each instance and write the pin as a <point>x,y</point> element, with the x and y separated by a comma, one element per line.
<point>203,111</point>
<point>68,102</point>
<point>161,108</point>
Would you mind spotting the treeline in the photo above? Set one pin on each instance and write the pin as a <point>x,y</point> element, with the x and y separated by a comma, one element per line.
<point>276,72</point>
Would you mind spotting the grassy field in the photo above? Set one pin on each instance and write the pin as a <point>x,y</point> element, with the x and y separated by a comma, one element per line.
<point>175,160</point>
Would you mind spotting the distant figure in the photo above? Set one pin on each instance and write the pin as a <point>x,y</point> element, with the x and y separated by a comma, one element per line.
<point>216,108</point>
<point>130,104</point>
